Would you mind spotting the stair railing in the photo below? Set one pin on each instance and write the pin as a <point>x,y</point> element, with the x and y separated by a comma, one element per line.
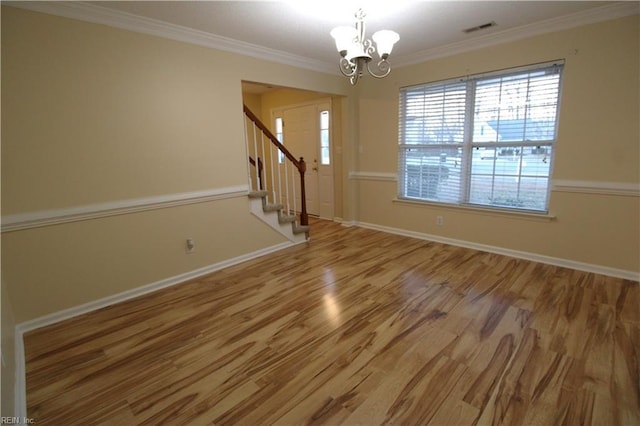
<point>275,170</point>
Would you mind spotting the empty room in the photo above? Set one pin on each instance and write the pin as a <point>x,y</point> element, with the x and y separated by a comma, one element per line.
<point>291,212</point>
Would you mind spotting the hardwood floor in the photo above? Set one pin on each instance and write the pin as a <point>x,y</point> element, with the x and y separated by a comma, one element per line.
<point>353,327</point>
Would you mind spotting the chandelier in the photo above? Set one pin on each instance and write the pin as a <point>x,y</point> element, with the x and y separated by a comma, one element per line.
<point>356,51</point>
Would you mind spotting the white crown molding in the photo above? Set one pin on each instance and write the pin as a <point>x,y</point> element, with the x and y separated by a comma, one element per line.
<point>600,188</point>
<point>127,21</point>
<point>118,19</point>
<point>534,257</point>
<point>38,219</point>
<point>591,16</point>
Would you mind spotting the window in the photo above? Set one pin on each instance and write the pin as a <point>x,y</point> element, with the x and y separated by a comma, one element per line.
<point>325,154</point>
<point>280,136</point>
<point>485,140</point>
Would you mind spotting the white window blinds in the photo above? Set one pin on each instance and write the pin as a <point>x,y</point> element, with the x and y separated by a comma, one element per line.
<point>486,140</point>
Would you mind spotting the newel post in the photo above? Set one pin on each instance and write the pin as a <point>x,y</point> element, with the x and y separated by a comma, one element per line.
<point>304,217</point>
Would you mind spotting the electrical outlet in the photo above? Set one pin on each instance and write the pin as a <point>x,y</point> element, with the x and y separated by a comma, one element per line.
<point>190,246</point>
<point>439,220</point>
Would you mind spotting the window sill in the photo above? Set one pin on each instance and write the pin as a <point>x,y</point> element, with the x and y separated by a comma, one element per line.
<point>542,217</point>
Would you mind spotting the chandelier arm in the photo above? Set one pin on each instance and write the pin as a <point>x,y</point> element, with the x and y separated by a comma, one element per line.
<point>347,68</point>
<point>383,66</point>
<point>368,48</point>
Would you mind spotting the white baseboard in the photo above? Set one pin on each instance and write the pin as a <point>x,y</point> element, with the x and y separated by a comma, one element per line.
<point>22,328</point>
<point>345,223</point>
<point>566,263</point>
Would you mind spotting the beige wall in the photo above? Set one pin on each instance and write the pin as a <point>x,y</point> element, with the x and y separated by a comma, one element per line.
<point>598,141</point>
<point>93,115</point>
<point>253,102</point>
<point>286,97</point>
<point>104,114</point>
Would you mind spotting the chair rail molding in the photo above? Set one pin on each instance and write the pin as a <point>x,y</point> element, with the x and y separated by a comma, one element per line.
<point>380,176</point>
<point>627,189</point>
<point>21,221</point>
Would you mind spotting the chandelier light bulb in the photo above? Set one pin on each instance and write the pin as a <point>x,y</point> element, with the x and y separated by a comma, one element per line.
<point>385,39</point>
<point>344,37</point>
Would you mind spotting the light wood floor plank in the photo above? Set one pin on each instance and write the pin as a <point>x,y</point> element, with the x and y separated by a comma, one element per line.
<point>354,327</point>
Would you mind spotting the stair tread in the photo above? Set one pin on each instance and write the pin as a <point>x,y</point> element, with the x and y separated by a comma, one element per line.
<point>299,229</point>
<point>272,207</point>
<point>258,194</point>
<point>286,219</point>
<point>282,217</point>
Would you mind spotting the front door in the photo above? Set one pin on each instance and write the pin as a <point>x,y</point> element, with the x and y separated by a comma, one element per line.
<point>300,139</point>
<point>306,134</point>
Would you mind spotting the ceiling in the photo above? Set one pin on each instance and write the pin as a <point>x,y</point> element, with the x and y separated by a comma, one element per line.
<point>297,31</point>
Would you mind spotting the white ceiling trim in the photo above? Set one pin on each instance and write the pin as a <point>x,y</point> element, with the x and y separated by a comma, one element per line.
<point>604,13</point>
<point>100,15</point>
<point>126,21</point>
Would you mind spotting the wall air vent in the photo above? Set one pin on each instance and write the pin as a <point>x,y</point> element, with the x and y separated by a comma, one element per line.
<point>480,27</point>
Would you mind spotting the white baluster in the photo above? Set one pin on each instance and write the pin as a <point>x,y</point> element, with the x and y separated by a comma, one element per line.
<point>286,184</point>
<point>293,181</point>
<point>246,141</point>
<point>264,164</point>
<point>279,178</point>
<point>273,180</point>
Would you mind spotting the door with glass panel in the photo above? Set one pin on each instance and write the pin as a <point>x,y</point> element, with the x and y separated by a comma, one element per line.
<point>305,131</point>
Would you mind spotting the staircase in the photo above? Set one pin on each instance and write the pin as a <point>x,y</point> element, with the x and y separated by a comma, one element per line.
<point>273,214</point>
<point>276,179</point>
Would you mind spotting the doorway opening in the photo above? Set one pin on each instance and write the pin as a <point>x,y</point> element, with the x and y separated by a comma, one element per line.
<point>308,124</point>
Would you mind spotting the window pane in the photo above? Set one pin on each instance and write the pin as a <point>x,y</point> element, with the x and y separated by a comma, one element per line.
<point>324,119</point>
<point>324,138</point>
<point>512,176</point>
<point>431,173</point>
<point>434,115</point>
<point>516,108</point>
<point>280,136</point>
<point>526,193</point>
<point>325,155</point>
